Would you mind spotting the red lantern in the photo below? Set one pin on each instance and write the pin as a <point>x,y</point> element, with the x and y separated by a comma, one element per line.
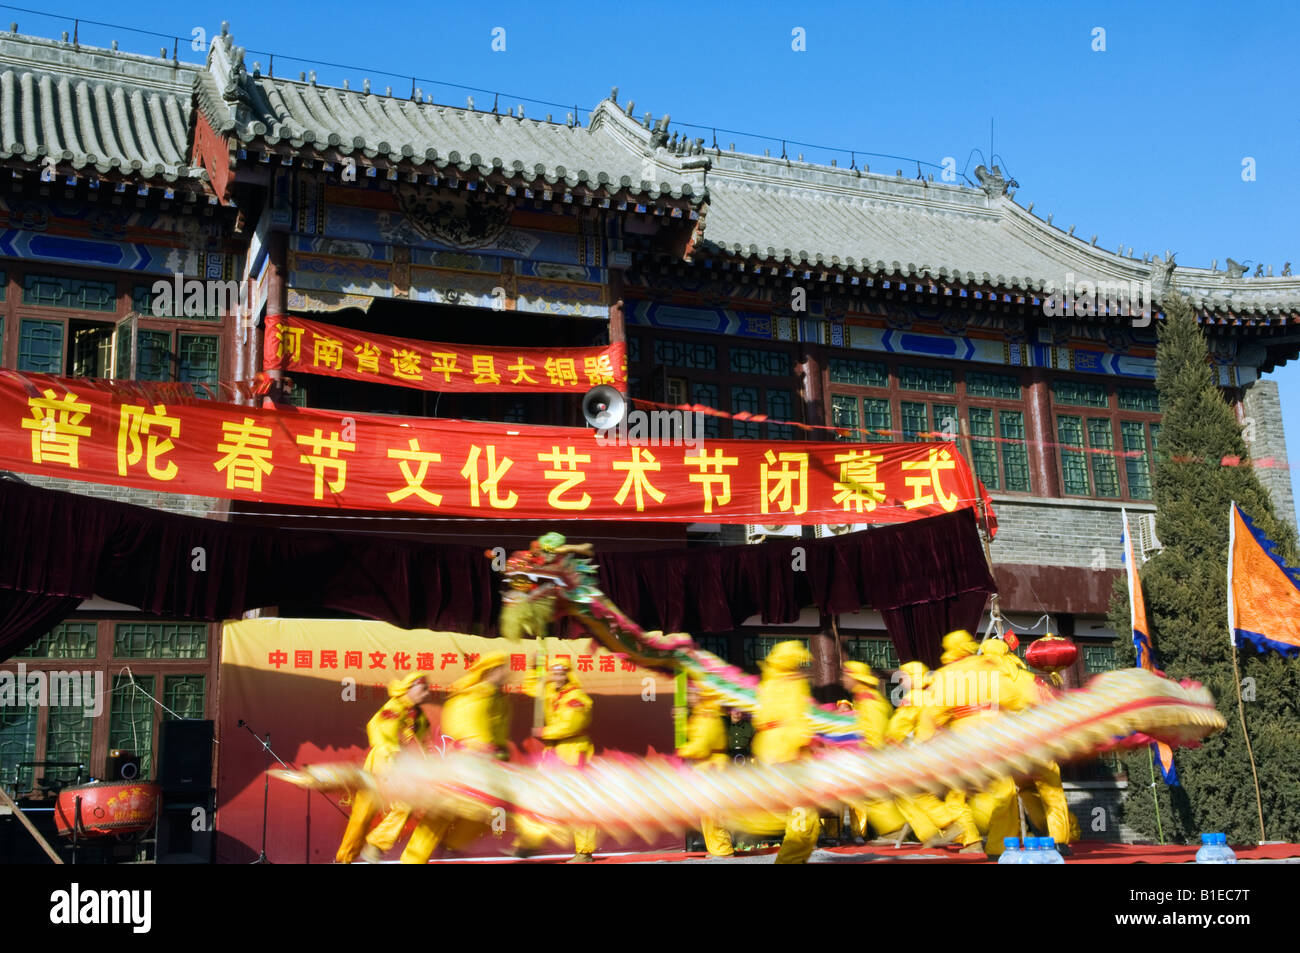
<point>1052,653</point>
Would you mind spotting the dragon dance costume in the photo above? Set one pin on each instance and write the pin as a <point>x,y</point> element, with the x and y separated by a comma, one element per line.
<point>706,745</point>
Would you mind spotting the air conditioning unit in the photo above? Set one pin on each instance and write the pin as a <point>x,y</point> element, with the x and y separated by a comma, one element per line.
<point>839,529</point>
<point>1144,536</point>
<point>757,533</point>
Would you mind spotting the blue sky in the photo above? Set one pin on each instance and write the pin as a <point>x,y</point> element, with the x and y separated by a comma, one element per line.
<point>1141,144</point>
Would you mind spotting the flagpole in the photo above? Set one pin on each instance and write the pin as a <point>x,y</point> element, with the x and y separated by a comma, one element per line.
<point>1151,760</point>
<point>1236,672</point>
<point>1130,557</point>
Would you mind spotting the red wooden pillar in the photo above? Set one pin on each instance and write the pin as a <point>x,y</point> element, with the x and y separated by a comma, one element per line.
<point>1042,437</point>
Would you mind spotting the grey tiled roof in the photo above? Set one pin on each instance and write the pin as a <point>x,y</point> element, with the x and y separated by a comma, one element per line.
<point>611,152</point>
<point>778,211</point>
<point>97,109</point>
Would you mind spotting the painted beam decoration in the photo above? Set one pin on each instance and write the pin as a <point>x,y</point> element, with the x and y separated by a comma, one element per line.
<point>298,345</point>
<point>161,438</point>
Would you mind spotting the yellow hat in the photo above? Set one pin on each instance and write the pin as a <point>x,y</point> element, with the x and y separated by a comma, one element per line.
<point>401,686</point>
<point>994,647</point>
<point>560,662</point>
<point>788,656</point>
<point>860,672</point>
<point>956,645</point>
<point>482,665</point>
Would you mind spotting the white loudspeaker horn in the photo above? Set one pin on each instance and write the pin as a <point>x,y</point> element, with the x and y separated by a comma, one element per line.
<point>604,407</point>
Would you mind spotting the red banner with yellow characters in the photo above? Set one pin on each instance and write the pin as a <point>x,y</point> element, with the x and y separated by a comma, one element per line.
<point>294,344</point>
<point>158,437</point>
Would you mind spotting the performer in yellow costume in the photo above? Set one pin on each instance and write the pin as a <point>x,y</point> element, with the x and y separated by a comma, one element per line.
<point>927,816</point>
<point>784,733</point>
<point>399,722</point>
<point>873,711</point>
<point>1045,804</point>
<point>475,718</point>
<point>568,716</point>
<point>706,745</point>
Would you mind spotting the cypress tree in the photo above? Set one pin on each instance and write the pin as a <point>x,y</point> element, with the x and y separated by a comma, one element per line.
<point>1186,591</point>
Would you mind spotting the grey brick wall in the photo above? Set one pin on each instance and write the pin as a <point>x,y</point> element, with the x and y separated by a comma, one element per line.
<point>167,502</point>
<point>1047,532</point>
<point>1098,805</point>
<point>1265,436</point>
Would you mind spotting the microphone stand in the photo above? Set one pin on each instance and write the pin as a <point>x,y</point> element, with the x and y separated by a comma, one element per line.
<point>266,782</point>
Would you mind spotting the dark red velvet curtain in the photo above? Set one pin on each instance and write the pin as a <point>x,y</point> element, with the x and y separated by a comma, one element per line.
<point>926,577</point>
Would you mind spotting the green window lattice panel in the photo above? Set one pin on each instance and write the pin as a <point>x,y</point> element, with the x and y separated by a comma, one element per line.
<point>161,640</point>
<point>17,744</point>
<point>878,653</point>
<point>1137,469</point>
<point>758,647</point>
<point>702,357</point>
<point>81,294</point>
<point>1105,474</point>
<point>755,360</point>
<point>780,406</point>
<point>1015,457</point>
<point>65,640</point>
<point>844,413</point>
<point>185,695</point>
<point>858,373</point>
<point>877,416</point>
<point>1145,399</point>
<point>1098,658</point>
<point>995,386</point>
<point>1074,468</point>
<point>68,737</point>
<point>1080,393</point>
<point>130,719</point>
<point>937,380</point>
<point>40,346</point>
<point>744,400</point>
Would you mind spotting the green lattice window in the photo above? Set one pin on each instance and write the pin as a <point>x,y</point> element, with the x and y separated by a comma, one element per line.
<point>878,653</point>
<point>1015,457</point>
<point>185,695</point>
<point>936,419</point>
<point>1136,468</point>
<point>68,737</point>
<point>81,294</point>
<point>707,394</point>
<point>634,349</point>
<point>780,406</point>
<point>936,380</point>
<point>984,451</point>
<point>758,647</point>
<point>1074,468</point>
<point>844,414</point>
<point>1105,475</point>
<point>153,358</point>
<point>1155,438</point>
<point>65,640</point>
<point>161,640</point>
<point>702,357</point>
<point>130,719</point>
<point>858,373</point>
<point>4,284</point>
<point>995,386</point>
<point>1080,393</point>
<point>1098,658</point>
<point>40,346</point>
<point>1145,399</point>
<point>756,360</point>
<point>200,358</point>
<point>878,418</point>
<point>745,400</point>
<point>17,744</point>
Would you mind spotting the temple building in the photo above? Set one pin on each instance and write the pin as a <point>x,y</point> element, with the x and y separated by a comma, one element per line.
<point>835,302</point>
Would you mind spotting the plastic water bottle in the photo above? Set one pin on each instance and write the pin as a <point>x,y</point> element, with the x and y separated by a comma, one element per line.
<point>1050,854</point>
<point>1209,852</point>
<point>1031,853</point>
<point>1011,852</point>
<point>1226,854</point>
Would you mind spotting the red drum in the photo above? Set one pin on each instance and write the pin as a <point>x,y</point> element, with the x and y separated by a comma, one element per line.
<point>108,807</point>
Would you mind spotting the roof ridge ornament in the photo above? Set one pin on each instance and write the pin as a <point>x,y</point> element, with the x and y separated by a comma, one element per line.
<point>994,183</point>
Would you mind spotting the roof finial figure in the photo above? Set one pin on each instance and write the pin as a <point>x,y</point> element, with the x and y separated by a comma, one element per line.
<point>613,95</point>
<point>993,183</point>
<point>1286,270</point>
<point>1236,269</point>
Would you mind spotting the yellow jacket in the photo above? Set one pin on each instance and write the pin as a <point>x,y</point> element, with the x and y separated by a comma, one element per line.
<point>706,734</point>
<point>978,686</point>
<point>783,728</point>
<point>873,711</point>
<point>477,718</point>
<point>397,722</point>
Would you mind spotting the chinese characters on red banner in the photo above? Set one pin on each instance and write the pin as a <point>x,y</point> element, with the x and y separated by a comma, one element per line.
<point>128,436</point>
<point>294,344</point>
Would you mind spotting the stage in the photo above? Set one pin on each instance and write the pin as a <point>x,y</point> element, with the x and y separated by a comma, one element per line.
<point>1086,852</point>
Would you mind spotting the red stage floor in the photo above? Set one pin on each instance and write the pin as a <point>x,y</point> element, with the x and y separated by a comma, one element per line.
<point>1087,852</point>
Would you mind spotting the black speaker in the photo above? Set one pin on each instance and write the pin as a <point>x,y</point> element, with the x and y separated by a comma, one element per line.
<point>122,766</point>
<point>185,756</point>
<point>185,825</point>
